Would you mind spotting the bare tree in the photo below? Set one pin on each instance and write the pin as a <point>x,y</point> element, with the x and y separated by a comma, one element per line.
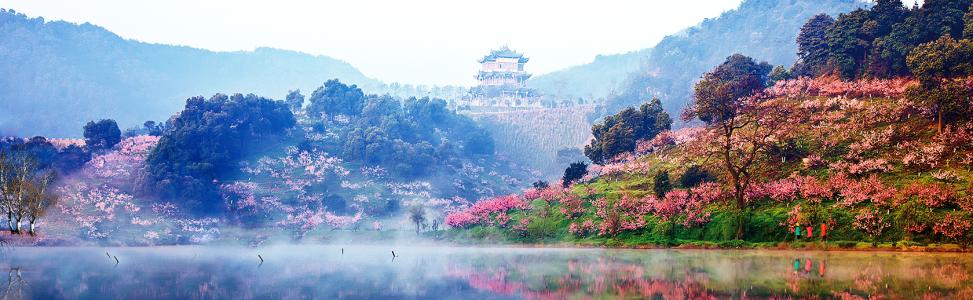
<point>17,190</point>
<point>417,215</point>
<point>6,178</point>
<point>39,199</point>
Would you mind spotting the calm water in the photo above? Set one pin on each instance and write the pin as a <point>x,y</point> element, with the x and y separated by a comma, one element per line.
<point>323,272</point>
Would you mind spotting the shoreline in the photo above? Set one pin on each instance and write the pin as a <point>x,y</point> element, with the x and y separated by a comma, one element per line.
<point>945,248</point>
<point>27,241</point>
<point>781,246</point>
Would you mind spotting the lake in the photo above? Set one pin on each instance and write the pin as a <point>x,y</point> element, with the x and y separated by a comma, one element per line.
<point>360,272</point>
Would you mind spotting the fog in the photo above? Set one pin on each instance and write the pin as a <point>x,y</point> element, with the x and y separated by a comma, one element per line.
<point>354,271</point>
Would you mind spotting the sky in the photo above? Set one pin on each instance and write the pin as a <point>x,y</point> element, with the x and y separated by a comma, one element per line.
<point>433,42</point>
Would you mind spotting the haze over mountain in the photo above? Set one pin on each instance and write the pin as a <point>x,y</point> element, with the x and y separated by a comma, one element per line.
<point>763,29</point>
<point>59,75</point>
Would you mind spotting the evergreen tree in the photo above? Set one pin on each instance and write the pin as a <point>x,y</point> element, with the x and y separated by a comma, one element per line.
<point>849,42</point>
<point>935,64</point>
<point>661,184</point>
<point>295,100</point>
<point>619,133</point>
<point>968,24</point>
<point>573,173</point>
<point>103,134</point>
<point>812,46</point>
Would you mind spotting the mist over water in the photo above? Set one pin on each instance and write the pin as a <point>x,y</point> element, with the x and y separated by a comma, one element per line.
<point>324,272</point>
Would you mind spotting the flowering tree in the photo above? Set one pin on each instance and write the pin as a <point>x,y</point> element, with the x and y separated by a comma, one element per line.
<point>871,221</point>
<point>952,226</point>
<point>486,212</point>
<point>625,214</point>
<point>741,126</point>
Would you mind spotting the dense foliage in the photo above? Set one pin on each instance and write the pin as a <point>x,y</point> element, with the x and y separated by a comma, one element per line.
<point>407,137</point>
<point>814,159</point>
<point>103,134</point>
<point>880,173</point>
<point>760,28</point>
<point>207,140</point>
<point>764,29</point>
<point>619,133</point>
<point>875,42</point>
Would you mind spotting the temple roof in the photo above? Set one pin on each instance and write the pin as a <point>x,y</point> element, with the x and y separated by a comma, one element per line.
<point>503,52</point>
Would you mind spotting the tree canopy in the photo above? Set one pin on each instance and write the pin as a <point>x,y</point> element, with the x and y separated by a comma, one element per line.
<point>207,139</point>
<point>102,134</point>
<point>619,133</point>
<point>336,98</point>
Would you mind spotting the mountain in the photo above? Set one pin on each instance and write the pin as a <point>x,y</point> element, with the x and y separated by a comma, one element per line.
<point>60,75</point>
<point>762,29</point>
<point>599,78</point>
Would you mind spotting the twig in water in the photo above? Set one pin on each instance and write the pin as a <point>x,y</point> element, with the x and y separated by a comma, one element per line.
<point>261,259</point>
<point>393,254</point>
<point>106,254</point>
<point>116,259</point>
<point>342,251</point>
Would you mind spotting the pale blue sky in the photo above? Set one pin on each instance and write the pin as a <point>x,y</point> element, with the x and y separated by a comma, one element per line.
<point>418,42</point>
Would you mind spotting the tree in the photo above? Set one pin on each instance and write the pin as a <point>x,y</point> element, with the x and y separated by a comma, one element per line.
<point>943,16</point>
<point>968,24</point>
<point>778,74</point>
<point>619,133</point>
<point>154,129</point>
<point>661,184</point>
<point>295,100</point>
<point>741,126</point>
<point>24,191</point>
<point>17,190</point>
<point>812,46</point>
<point>336,98</point>
<point>207,140</point>
<point>39,199</point>
<point>849,41</point>
<point>417,214</point>
<point>935,64</point>
<point>886,57</point>
<point>540,184</point>
<point>103,134</point>
<point>7,186</point>
<point>885,14</point>
<point>721,96</point>
<point>574,172</point>
<point>694,176</point>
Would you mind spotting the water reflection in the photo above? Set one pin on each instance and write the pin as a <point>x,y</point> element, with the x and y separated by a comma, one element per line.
<point>300,272</point>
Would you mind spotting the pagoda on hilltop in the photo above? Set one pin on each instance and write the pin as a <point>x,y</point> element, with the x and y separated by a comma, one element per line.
<point>503,81</point>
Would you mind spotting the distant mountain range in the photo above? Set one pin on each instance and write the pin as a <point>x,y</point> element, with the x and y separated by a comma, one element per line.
<point>59,75</point>
<point>763,29</point>
<point>605,75</point>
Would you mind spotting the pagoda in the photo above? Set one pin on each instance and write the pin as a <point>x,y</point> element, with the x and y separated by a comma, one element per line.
<point>502,80</point>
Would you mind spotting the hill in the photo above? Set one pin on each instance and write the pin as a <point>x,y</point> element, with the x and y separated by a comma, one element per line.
<point>534,137</point>
<point>59,75</point>
<point>859,157</point>
<point>758,28</point>
<point>599,78</point>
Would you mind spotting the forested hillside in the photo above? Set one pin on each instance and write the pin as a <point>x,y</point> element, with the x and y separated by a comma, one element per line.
<point>867,142</point>
<point>276,168</point>
<point>759,28</point>
<point>59,75</point>
<point>599,78</point>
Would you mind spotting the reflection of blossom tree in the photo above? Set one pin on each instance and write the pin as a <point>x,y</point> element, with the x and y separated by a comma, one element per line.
<point>16,285</point>
<point>598,278</point>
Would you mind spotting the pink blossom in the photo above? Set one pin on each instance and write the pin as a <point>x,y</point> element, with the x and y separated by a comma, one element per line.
<point>952,226</point>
